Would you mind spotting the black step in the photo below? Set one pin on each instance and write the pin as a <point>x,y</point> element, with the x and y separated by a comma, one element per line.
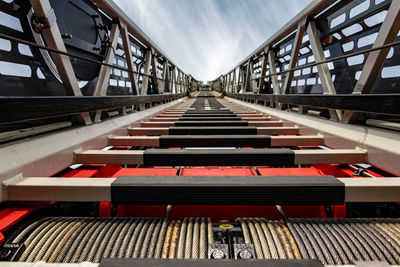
<point>232,130</point>
<point>209,111</point>
<point>219,157</point>
<point>210,123</point>
<point>210,118</point>
<point>228,190</point>
<point>215,141</point>
<point>208,115</point>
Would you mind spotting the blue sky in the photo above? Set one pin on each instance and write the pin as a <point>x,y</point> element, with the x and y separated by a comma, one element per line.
<point>207,38</point>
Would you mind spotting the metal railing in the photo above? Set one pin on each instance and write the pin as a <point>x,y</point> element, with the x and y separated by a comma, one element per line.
<point>349,48</point>
<point>47,59</point>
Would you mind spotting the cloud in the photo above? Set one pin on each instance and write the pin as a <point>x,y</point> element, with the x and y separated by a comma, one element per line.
<point>207,38</point>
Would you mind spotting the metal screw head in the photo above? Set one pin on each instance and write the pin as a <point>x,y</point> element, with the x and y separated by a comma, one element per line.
<point>66,36</point>
<point>245,254</point>
<point>218,254</point>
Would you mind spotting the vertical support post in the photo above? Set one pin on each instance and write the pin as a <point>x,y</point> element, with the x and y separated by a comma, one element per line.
<point>184,81</point>
<point>372,67</point>
<point>174,85</point>
<point>52,36</point>
<point>241,80</point>
<point>154,72</point>
<point>228,82</point>
<point>190,83</point>
<point>128,56</point>
<point>165,77</point>
<point>273,77</point>
<point>272,68</point>
<point>225,83</point>
<point>233,90</point>
<point>145,82</point>
<point>263,70</point>
<point>247,78</point>
<point>323,70</point>
<point>252,81</point>
<point>172,78</point>
<point>179,82</point>
<point>295,53</point>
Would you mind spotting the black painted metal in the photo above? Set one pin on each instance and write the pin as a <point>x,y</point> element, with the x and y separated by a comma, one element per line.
<point>210,123</point>
<point>219,157</point>
<point>214,141</point>
<point>203,115</point>
<point>228,190</point>
<point>14,109</point>
<point>210,118</point>
<point>231,130</point>
<point>383,103</point>
<point>81,20</point>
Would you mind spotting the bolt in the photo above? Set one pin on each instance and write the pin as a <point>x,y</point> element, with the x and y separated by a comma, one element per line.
<point>66,36</point>
<point>245,254</point>
<point>218,254</point>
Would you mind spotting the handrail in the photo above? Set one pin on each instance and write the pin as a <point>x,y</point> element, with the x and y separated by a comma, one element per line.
<point>388,104</point>
<point>16,109</point>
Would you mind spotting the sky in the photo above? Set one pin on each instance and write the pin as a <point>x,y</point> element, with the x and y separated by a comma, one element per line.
<point>208,38</point>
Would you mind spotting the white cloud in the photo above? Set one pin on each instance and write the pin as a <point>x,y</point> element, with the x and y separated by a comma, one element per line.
<point>207,38</point>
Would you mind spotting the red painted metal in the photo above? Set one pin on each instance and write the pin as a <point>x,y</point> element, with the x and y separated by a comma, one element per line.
<point>9,217</point>
<point>218,171</point>
<point>216,212</point>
